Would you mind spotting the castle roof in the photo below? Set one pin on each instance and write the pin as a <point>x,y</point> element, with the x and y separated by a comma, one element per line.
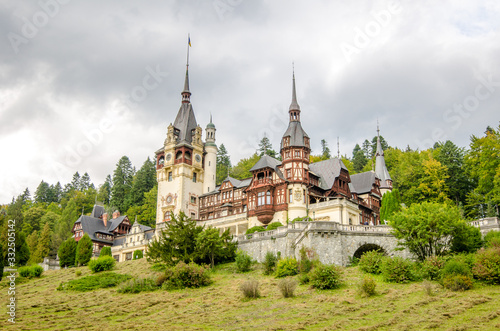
<point>327,171</point>
<point>363,182</point>
<point>266,161</point>
<point>185,123</point>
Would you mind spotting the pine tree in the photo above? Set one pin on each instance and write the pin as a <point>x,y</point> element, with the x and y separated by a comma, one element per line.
<point>104,194</point>
<point>144,181</point>
<point>75,182</point>
<point>122,183</point>
<point>83,250</point>
<point>44,241</point>
<point>67,253</point>
<point>383,143</point>
<point>367,149</point>
<point>85,182</point>
<point>32,242</point>
<point>325,151</point>
<point>42,193</point>
<point>359,159</point>
<point>266,148</point>
<point>223,164</point>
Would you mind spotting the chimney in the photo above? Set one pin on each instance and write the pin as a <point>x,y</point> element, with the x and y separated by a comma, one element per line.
<point>105,219</point>
<point>116,214</point>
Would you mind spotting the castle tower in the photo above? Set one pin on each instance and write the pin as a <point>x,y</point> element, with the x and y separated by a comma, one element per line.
<point>179,163</point>
<point>380,167</point>
<point>210,162</point>
<point>295,151</point>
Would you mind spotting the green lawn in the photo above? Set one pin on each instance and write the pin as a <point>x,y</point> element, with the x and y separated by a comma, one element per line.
<point>221,306</point>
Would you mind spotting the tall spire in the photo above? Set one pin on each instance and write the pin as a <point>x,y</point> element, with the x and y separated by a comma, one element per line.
<point>294,109</point>
<point>380,167</point>
<point>186,94</point>
<point>379,150</point>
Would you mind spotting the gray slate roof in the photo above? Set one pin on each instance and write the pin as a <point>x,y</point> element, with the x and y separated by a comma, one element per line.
<point>97,211</point>
<point>380,167</point>
<point>91,225</point>
<point>266,161</point>
<point>296,134</point>
<point>185,122</point>
<point>327,171</point>
<point>363,182</point>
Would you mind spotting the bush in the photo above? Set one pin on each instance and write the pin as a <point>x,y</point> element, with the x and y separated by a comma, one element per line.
<point>287,267</point>
<point>287,287</point>
<point>457,282</point>
<point>273,226</point>
<point>487,265</point>
<point>84,250</point>
<point>250,289</point>
<point>304,279</point>
<point>398,270</point>
<point>185,275</point>
<point>492,239</point>
<point>269,263</point>
<point>67,252</point>
<point>91,283</point>
<point>371,261</point>
<point>162,278</point>
<point>138,285</point>
<point>454,267</point>
<point>326,277</point>
<point>431,267</point>
<point>307,259</point>
<point>105,251</point>
<point>367,287</point>
<point>30,271</point>
<point>138,254</point>
<point>103,263</point>
<point>78,273</point>
<point>243,261</point>
<point>257,228</point>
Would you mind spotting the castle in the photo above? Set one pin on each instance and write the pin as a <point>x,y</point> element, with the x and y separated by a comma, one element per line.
<point>278,191</point>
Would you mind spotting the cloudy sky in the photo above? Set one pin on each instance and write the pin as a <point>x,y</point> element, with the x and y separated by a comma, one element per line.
<point>83,83</point>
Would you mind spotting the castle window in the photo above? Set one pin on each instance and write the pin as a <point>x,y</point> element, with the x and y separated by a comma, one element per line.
<point>288,173</point>
<point>193,199</point>
<point>167,216</point>
<point>187,156</point>
<point>260,199</point>
<point>268,198</point>
<point>178,156</point>
<point>194,177</point>
<point>297,153</point>
<point>170,176</point>
<point>290,196</point>
<point>304,191</point>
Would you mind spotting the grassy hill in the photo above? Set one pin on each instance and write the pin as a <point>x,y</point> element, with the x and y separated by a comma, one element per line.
<point>221,306</point>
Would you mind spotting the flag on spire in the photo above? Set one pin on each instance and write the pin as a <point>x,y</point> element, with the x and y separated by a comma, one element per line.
<point>189,40</point>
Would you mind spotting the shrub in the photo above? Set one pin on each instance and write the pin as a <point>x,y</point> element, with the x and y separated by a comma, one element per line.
<point>371,261</point>
<point>30,271</point>
<point>67,252</point>
<point>78,273</point>
<point>273,226</point>
<point>367,287</point>
<point>243,261</point>
<point>102,263</point>
<point>287,287</point>
<point>105,251</point>
<point>138,285</point>
<point>457,282</point>
<point>492,239</point>
<point>428,287</point>
<point>431,267</point>
<point>487,265</point>
<point>455,266</point>
<point>269,264</point>
<point>162,278</point>
<point>326,277</point>
<point>185,275</point>
<point>257,228</point>
<point>138,254</point>
<point>304,279</point>
<point>250,289</point>
<point>91,283</point>
<point>398,270</point>
<point>307,259</point>
<point>287,267</point>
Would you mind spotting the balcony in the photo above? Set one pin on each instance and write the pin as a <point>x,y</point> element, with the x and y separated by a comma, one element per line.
<point>263,181</point>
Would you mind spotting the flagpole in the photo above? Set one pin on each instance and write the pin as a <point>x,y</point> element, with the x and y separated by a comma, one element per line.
<point>187,60</point>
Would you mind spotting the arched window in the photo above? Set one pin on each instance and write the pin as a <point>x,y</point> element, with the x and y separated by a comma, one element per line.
<point>178,156</point>
<point>268,198</point>
<point>167,216</point>
<point>187,155</point>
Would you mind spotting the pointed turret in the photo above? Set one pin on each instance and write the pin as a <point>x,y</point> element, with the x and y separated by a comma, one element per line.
<point>294,109</point>
<point>186,94</point>
<point>380,167</point>
<point>294,135</point>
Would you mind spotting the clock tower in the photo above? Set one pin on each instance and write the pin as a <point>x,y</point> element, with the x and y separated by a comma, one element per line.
<point>180,164</point>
